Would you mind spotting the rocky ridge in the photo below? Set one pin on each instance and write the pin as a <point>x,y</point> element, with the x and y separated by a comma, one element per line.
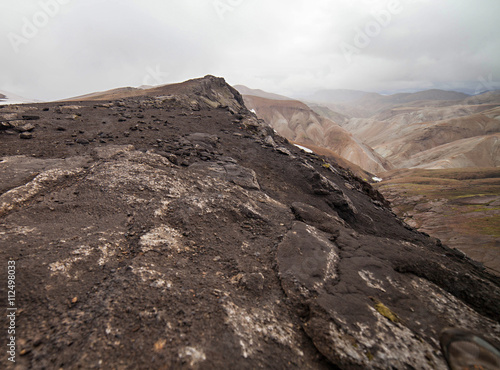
<point>174,229</point>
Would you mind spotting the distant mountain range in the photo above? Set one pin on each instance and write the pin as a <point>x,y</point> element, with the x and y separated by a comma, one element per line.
<point>9,98</point>
<point>260,93</point>
<point>359,103</point>
<point>347,95</point>
<point>425,129</point>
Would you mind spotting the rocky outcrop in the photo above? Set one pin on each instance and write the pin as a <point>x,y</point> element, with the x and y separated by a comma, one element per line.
<point>14,121</point>
<point>349,291</point>
<point>155,232</point>
<point>208,91</point>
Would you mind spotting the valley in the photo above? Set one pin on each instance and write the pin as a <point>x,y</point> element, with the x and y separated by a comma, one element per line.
<point>297,122</point>
<point>461,207</point>
<point>437,152</point>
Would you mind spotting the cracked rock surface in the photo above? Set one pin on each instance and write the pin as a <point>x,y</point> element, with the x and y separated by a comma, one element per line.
<point>166,232</point>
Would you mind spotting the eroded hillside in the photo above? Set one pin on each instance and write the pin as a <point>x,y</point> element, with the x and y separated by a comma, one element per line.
<point>437,131</point>
<point>297,122</point>
<point>425,130</point>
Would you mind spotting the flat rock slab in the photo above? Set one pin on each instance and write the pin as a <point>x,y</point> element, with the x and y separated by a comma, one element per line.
<point>358,309</point>
<point>244,177</point>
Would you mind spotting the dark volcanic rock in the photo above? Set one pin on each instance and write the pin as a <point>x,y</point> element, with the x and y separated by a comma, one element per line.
<point>359,310</point>
<point>82,141</point>
<point>26,135</point>
<point>26,127</point>
<point>328,222</point>
<point>234,173</point>
<point>193,245</point>
<point>31,117</point>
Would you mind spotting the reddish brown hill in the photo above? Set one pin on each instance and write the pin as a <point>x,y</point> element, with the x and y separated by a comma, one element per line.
<point>331,156</point>
<point>297,122</point>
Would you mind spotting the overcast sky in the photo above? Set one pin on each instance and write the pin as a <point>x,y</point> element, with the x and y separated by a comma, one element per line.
<point>53,49</point>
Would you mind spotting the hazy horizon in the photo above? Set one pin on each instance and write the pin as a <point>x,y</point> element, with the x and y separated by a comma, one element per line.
<point>56,49</point>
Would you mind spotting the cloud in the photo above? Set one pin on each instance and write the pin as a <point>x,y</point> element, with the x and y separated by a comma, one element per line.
<point>289,47</point>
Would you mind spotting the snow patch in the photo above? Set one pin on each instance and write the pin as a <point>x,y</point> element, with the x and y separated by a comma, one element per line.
<point>14,99</point>
<point>307,150</point>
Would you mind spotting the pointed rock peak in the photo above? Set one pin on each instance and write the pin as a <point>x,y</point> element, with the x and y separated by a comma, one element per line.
<point>209,87</point>
<point>208,91</point>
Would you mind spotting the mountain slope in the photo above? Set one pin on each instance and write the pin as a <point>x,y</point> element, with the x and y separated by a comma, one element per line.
<point>477,151</point>
<point>399,143</point>
<point>403,131</point>
<point>297,122</point>
<point>164,231</point>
